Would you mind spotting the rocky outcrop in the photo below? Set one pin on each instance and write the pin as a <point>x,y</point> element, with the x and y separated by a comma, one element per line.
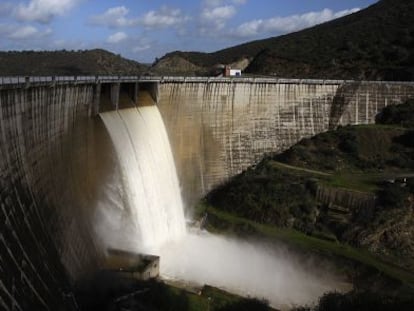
<point>175,65</point>
<point>390,236</point>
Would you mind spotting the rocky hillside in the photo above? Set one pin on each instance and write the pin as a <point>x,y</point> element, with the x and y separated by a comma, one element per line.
<point>67,63</point>
<point>176,65</point>
<point>375,43</point>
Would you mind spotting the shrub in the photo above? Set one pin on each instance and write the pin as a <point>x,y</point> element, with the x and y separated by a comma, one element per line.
<point>247,305</point>
<point>393,195</point>
<point>410,185</point>
<point>407,139</point>
<point>348,142</point>
<point>397,114</point>
<point>357,301</point>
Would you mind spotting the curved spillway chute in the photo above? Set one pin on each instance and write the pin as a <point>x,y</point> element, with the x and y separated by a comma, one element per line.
<point>152,194</point>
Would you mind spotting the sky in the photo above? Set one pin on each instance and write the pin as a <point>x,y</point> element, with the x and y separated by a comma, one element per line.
<point>147,29</point>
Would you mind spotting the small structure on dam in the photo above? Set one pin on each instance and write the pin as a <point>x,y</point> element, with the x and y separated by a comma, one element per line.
<point>126,264</point>
<point>231,72</point>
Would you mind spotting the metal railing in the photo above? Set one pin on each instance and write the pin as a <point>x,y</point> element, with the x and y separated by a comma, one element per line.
<point>35,80</point>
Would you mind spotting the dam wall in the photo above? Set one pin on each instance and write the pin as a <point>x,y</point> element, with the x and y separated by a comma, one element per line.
<point>47,144</point>
<point>56,155</point>
<point>219,128</point>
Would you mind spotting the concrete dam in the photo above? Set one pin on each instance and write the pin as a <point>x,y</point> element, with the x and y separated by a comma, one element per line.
<point>56,155</point>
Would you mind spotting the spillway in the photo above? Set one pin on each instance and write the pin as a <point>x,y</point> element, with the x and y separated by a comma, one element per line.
<point>149,177</point>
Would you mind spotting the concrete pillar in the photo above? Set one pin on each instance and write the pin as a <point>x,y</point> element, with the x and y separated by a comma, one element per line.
<point>154,91</point>
<point>115,89</point>
<point>135,93</point>
<point>96,99</point>
<point>27,82</point>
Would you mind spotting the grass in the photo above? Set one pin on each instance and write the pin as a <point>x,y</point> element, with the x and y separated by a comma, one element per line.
<point>356,181</point>
<point>361,182</point>
<point>194,302</point>
<point>209,298</point>
<point>309,243</point>
<point>299,170</point>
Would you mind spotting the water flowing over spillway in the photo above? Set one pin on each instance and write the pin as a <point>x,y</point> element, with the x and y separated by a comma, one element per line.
<point>152,192</point>
<point>151,197</point>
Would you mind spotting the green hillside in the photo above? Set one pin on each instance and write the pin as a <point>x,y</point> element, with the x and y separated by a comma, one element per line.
<point>375,43</point>
<point>88,62</point>
<point>347,196</point>
<point>353,186</point>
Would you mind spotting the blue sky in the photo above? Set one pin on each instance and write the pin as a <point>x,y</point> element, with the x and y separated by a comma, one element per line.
<point>145,29</point>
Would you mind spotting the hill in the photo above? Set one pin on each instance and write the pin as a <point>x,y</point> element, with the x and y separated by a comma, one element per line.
<point>374,43</point>
<point>345,195</point>
<point>354,185</point>
<point>88,62</point>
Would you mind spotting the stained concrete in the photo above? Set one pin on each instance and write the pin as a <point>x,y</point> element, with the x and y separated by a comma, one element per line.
<point>219,129</point>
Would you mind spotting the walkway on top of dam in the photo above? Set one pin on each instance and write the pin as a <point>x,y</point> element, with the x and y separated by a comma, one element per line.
<point>26,81</point>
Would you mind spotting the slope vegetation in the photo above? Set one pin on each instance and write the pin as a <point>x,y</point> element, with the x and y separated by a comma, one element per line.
<point>375,43</point>
<point>89,62</point>
<point>354,185</point>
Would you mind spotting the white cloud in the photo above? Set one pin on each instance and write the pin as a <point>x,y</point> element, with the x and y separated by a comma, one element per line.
<point>346,12</point>
<point>141,48</point>
<point>43,11</point>
<point>216,13</point>
<point>249,29</point>
<point>115,18</point>
<point>221,13</point>
<point>25,32</point>
<point>117,37</point>
<point>217,17</point>
<point>280,25</point>
<point>163,18</point>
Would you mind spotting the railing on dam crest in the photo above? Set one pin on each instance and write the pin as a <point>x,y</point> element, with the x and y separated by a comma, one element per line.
<point>8,81</point>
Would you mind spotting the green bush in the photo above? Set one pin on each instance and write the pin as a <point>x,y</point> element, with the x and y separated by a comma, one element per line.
<point>397,114</point>
<point>247,305</point>
<point>407,139</point>
<point>363,301</point>
<point>410,185</point>
<point>348,142</point>
<point>392,195</point>
<point>266,195</point>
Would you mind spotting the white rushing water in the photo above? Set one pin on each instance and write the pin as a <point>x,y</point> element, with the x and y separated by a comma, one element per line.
<point>247,268</point>
<point>149,178</point>
<point>152,196</point>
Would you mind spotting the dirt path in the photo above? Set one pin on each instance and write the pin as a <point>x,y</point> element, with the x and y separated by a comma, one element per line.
<point>302,169</point>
